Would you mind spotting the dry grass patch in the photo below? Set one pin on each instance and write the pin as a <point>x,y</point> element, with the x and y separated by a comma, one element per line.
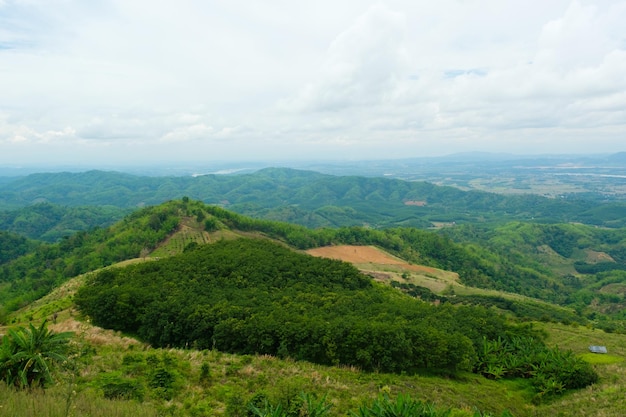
<point>96,336</point>
<point>385,267</point>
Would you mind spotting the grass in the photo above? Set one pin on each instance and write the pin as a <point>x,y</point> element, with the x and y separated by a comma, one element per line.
<point>190,231</point>
<point>237,379</point>
<point>59,402</point>
<point>216,383</point>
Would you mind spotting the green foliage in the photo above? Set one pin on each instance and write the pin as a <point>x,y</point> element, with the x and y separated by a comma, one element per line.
<point>33,275</point>
<point>255,296</point>
<point>116,386</point>
<point>304,405</point>
<point>526,309</point>
<point>476,266</point>
<point>28,356</point>
<point>13,246</point>
<point>310,199</point>
<point>144,374</point>
<point>402,406</point>
<point>266,410</point>
<point>551,370</point>
<point>51,222</point>
<point>211,224</point>
<point>314,407</point>
<point>205,373</point>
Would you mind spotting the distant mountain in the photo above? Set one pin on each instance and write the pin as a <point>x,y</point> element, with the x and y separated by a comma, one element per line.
<point>308,198</point>
<point>619,158</point>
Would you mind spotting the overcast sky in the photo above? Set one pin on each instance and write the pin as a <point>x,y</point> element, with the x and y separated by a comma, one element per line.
<point>151,81</point>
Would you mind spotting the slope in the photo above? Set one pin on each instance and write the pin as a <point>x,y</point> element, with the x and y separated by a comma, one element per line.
<point>229,368</point>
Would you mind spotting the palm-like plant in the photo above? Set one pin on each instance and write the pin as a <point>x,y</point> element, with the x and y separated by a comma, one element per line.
<point>403,406</point>
<point>28,355</point>
<point>311,407</point>
<point>267,410</point>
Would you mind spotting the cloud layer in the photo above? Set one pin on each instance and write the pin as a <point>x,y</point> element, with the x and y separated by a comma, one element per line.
<point>180,81</point>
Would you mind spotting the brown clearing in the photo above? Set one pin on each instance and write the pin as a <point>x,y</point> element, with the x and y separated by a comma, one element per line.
<point>594,257</point>
<point>367,255</point>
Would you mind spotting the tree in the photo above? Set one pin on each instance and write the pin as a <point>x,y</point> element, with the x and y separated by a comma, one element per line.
<point>29,355</point>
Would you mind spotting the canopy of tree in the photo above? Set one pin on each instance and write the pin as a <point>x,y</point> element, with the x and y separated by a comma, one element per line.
<point>50,223</point>
<point>255,296</point>
<point>35,273</point>
<point>13,246</point>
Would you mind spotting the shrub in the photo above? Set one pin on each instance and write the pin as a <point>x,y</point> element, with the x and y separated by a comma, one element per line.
<point>116,386</point>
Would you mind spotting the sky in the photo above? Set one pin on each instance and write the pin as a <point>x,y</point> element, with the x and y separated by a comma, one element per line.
<point>137,81</point>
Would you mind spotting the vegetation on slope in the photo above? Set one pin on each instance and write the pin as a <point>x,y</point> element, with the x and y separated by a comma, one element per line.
<point>253,296</point>
<point>12,246</point>
<point>587,264</point>
<point>475,265</point>
<point>29,277</point>
<point>29,355</point>
<point>309,198</point>
<point>34,274</point>
<point>220,395</point>
<point>514,257</point>
<point>50,222</point>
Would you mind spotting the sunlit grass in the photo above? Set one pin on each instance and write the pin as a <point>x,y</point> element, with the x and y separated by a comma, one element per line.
<point>232,380</point>
<point>61,402</point>
<point>604,359</point>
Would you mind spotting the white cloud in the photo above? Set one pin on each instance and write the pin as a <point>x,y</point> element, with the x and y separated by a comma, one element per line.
<point>189,133</point>
<point>292,79</point>
<point>363,64</point>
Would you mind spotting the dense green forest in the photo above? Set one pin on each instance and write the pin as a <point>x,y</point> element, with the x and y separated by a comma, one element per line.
<point>50,222</point>
<point>13,246</point>
<point>252,296</point>
<point>25,278</point>
<point>308,198</point>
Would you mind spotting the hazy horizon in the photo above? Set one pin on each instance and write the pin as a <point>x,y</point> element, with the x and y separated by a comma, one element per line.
<point>202,167</point>
<point>109,82</point>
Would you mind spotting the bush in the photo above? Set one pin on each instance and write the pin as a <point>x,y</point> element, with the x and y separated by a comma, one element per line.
<point>117,387</point>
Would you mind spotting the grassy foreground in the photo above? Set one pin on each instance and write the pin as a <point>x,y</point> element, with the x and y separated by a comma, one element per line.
<point>212,383</point>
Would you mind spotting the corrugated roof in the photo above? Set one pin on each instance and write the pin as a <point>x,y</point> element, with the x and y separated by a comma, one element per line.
<point>598,349</point>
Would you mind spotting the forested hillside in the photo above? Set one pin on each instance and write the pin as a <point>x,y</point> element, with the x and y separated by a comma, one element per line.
<point>308,198</point>
<point>252,296</point>
<point>40,268</point>
<point>486,258</point>
<point>13,246</point>
<point>209,278</point>
<point>50,222</point>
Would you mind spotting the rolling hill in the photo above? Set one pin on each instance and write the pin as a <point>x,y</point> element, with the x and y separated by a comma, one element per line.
<point>307,198</point>
<point>263,293</point>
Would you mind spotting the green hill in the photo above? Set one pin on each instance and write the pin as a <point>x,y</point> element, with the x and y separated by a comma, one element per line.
<point>493,258</point>
<point>308,198</point>
<point>210,281</point>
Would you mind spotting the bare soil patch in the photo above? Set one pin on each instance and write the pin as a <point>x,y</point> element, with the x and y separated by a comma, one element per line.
<point>594,257</point>
<point>361,255</point>
<point>384,267</point>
